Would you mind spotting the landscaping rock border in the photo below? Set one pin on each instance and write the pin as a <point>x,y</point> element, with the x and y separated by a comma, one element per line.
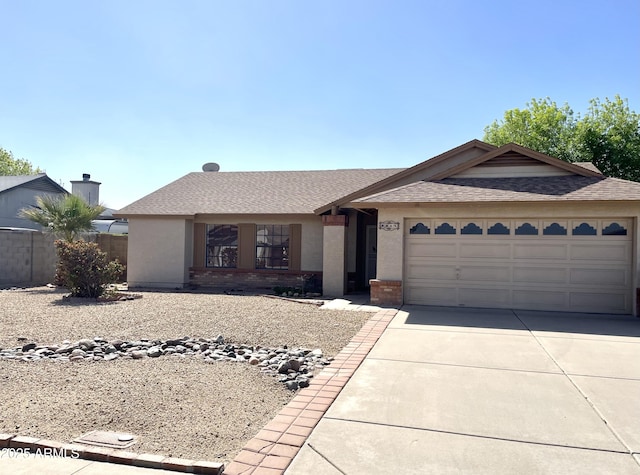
<point>292,366</point>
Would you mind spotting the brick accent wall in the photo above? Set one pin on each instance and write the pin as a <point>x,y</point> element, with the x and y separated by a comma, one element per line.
<point>242,279</point>
<point>335,220</point>
<point>386,292</point>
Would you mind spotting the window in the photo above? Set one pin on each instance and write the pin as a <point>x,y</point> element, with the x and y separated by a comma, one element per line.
<point>222,245</point>
<point>471,228</point>
<point>445,228</point>
<point>272,246</point>
<point>498,229</point>
<point>526,229</point>
<point>420,228</point>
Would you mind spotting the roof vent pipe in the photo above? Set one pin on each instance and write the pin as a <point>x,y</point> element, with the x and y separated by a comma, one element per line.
<point>86,177</point>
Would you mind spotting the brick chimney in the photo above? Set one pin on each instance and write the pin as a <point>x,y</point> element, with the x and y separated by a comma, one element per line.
<point>89,190</point>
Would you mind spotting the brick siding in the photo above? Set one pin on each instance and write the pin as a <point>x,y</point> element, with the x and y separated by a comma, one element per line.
<point>386,292</point>
<point>250,280</point>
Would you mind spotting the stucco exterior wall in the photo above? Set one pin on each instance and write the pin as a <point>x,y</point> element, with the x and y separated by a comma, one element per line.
<point>391,243</point>
<point>334,271</point>
<point>159,253</point>
<point>311,233</point>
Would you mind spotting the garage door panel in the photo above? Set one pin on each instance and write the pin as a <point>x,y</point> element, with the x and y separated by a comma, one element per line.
<point>433,249</point>
<point>566,266</point>
<point>483,297</point>
<point>531,249</point>
<point>433,271</point>
<point>611,302</point>
<point>543,275</point>
<point>539,299</point>
<point>600,277</point>
<point>484,273</point>
<point>618,252</point>
<point>496,250</point>
<point>445,296</point>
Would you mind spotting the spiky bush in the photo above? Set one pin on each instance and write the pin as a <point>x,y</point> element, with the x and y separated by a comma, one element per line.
<point>84,269</point>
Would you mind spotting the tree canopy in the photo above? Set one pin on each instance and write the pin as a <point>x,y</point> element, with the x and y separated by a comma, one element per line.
<point>608,135</point>
<point>9,165</point>
<point>66,216</point>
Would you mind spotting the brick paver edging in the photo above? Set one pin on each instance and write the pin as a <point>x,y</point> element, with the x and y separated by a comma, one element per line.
<point>44,448</point>
<point>271,451</point>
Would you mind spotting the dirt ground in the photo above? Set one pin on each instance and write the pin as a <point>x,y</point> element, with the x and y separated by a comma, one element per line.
<point>181,407</point>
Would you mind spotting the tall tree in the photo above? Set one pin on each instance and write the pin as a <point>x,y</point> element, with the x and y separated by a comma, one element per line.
<point>66,217</point>
<point>9,165</point>
<point>608,135</point>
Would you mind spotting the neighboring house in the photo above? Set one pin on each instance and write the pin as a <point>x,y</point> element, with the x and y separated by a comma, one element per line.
<point>17,192</point>
<point>477,226</point>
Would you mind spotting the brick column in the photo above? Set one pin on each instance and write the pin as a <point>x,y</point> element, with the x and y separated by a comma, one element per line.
<point>386,292</point>
<point>334,255</point>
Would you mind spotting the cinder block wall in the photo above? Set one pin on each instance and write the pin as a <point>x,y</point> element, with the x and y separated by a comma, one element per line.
<point>26,258</point>
<point>115,245</point>
<point>29,258</point>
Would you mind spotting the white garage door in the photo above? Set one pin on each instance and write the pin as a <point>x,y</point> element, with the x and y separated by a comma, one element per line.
<point>578,265</point>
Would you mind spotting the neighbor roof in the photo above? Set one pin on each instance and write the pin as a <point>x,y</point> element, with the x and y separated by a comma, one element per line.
<point>468,190</point>
<point>269,192</point>
<point>40,182</point>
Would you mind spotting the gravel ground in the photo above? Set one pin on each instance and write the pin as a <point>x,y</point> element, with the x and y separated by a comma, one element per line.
<point>179,407</point>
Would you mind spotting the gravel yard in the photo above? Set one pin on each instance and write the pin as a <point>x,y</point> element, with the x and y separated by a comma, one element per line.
<point>181,407</point>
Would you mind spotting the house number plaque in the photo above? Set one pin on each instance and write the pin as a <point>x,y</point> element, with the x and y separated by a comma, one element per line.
<point>389,225</point>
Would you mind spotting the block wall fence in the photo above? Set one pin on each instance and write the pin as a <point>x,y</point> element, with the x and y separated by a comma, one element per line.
<point>29,258</point>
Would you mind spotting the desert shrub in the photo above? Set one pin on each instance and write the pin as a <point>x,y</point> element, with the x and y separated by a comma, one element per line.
<point>84,269</point>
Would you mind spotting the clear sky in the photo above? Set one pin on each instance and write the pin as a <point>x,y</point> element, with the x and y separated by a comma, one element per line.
<point>140,92</point>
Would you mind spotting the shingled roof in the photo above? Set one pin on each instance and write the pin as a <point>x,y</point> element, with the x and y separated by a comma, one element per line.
<point>469,190</point>
<point>269,192</point>
<point>39,182</point>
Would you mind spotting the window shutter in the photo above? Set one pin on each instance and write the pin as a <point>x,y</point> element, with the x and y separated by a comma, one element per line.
<point>246,246</point>
<point>295,247</point>
<point>199,244</point>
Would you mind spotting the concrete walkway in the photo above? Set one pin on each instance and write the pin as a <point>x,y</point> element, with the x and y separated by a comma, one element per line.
<point>487,391</point>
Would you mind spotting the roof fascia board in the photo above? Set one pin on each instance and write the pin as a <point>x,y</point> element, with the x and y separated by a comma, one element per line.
<point>152,216</point>
<point>62,190</point>
<point>512,147</point>
<point>380,185</point>
<point>435,204</point>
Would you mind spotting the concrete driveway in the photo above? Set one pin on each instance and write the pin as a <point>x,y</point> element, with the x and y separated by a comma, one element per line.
<point>487,391</point>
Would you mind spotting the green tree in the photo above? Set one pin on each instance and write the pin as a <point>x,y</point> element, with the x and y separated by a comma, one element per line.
<point>9,165</point>
<point>66,217</point>
<point>608,135</point>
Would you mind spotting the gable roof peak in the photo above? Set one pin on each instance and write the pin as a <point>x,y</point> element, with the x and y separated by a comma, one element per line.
<point>512,147</point>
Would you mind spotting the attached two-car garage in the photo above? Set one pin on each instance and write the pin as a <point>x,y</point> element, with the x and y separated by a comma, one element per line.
<point>576,265</point>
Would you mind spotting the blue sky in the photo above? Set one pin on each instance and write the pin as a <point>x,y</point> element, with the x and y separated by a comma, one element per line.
<point>139,93</point>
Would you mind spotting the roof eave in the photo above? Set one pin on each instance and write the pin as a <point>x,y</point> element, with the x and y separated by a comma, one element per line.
<point>420,204</point>
<point>152,216</point>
